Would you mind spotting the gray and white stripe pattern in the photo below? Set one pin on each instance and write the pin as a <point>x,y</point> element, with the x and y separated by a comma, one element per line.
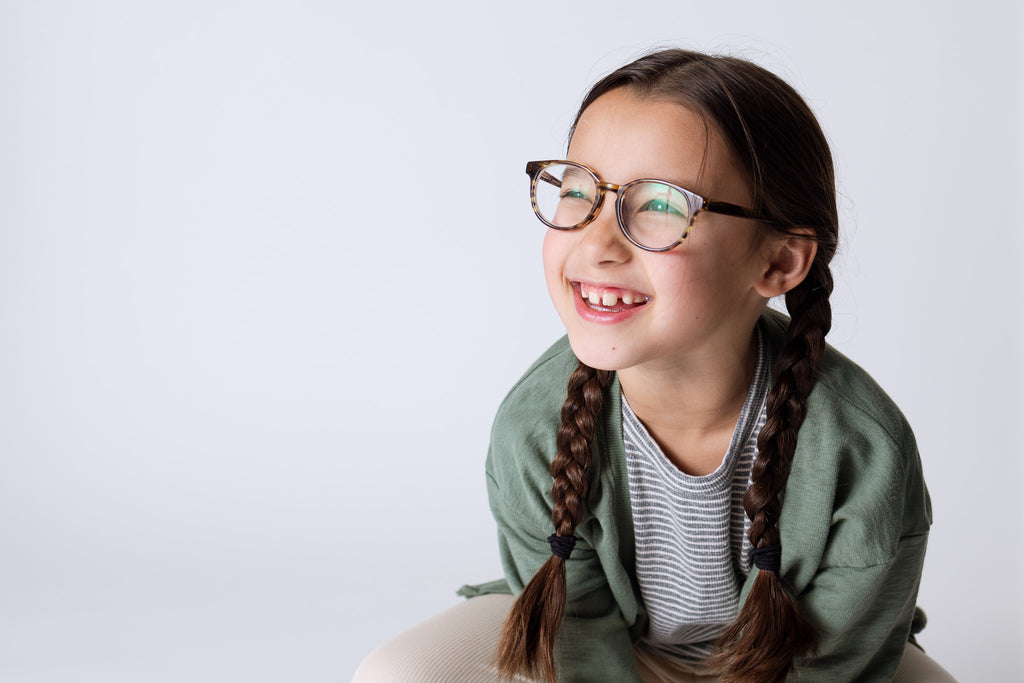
<point>691,541</point>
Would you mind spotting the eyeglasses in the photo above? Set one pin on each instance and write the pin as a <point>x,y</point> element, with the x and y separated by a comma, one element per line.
<point>655,215</point>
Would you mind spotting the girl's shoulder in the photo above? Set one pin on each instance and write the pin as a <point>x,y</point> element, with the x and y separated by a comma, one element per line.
<point>538,395</point>
<point>846,398</point>
<point>522,441</point>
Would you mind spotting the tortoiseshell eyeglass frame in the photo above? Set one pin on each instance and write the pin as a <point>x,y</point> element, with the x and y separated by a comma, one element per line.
<point>535,169</point>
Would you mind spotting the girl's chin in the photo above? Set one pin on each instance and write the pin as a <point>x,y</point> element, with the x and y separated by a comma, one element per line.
<point>598,356</point>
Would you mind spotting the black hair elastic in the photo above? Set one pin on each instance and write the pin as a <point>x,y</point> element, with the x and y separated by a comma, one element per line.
<point>561,545</point>
<point>767,558</point>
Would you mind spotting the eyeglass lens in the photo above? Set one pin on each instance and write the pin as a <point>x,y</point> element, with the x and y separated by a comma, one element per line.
<point>654,214</point>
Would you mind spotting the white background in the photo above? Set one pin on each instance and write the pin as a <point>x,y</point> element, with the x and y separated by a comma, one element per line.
<point>254,327</point>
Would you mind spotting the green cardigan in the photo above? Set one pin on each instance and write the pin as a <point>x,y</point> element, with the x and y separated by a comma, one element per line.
<point>854,523</point>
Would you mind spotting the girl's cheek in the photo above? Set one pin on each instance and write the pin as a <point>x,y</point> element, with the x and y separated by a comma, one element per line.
<point>553,253</point>
<point>556,250</point>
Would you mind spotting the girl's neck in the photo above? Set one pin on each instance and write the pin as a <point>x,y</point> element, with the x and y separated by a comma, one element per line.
<point>691,411</point>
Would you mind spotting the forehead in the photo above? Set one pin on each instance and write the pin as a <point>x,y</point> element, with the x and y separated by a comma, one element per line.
<point>623,137</point>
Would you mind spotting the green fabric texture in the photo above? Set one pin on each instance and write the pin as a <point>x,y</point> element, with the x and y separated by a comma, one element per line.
<point>854,523</point>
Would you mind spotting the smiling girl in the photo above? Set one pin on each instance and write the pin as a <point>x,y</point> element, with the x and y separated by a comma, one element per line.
<point>690,484</point>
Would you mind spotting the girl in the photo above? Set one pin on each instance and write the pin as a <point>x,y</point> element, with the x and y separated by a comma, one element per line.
<point>691,484</point>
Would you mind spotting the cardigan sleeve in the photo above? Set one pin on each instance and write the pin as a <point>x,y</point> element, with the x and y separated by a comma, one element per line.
<point>857,510</point>
<point>863,616</point>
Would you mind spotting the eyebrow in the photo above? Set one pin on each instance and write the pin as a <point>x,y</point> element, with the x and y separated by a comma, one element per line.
<point>573,171</point>
<point>576,171</point>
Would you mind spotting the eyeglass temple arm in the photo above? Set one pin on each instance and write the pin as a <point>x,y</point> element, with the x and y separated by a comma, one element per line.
<point>532,167</point>
<point>727,209</point>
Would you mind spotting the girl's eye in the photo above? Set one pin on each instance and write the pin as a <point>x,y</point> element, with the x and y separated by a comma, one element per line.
<point>574,193</point>
<point>660,205</point>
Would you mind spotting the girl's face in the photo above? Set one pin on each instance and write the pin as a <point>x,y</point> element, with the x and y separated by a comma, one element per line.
<point>624,307</point>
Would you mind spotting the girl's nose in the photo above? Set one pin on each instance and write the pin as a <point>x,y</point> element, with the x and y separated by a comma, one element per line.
<point>603,240</point>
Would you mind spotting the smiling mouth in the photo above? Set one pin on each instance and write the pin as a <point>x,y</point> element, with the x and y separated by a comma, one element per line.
<point>609,299</point>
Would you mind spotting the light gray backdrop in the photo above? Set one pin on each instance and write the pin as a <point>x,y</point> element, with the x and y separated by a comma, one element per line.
<point>266,270</point>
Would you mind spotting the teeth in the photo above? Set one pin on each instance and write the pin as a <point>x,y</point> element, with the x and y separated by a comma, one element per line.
<point>608,299</point>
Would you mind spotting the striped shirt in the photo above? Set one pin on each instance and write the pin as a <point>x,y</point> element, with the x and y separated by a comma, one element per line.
<point>691,540</point>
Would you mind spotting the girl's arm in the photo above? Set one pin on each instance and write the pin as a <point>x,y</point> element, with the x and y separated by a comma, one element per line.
<point>863,616</point>
<point>855,521</point>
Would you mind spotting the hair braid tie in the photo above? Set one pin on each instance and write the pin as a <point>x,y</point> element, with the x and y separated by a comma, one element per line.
<point>561,546</point>
<point>767,558</point>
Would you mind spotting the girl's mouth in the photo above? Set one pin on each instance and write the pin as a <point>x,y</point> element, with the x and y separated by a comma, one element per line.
<point>609,299</point>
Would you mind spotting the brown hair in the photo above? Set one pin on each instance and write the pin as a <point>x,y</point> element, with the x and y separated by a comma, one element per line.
<point>775,138</point>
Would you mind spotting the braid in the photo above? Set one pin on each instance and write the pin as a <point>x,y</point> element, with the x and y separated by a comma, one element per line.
<point>769,632</point>
<point>570,465</point>
<point>801,352</point>
<point>528,638</point>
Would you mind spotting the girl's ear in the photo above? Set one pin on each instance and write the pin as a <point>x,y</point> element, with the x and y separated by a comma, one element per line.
<point>787,262</point>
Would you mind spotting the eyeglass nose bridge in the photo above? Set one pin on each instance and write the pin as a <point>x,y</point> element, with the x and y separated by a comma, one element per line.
<point>603,187</point>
